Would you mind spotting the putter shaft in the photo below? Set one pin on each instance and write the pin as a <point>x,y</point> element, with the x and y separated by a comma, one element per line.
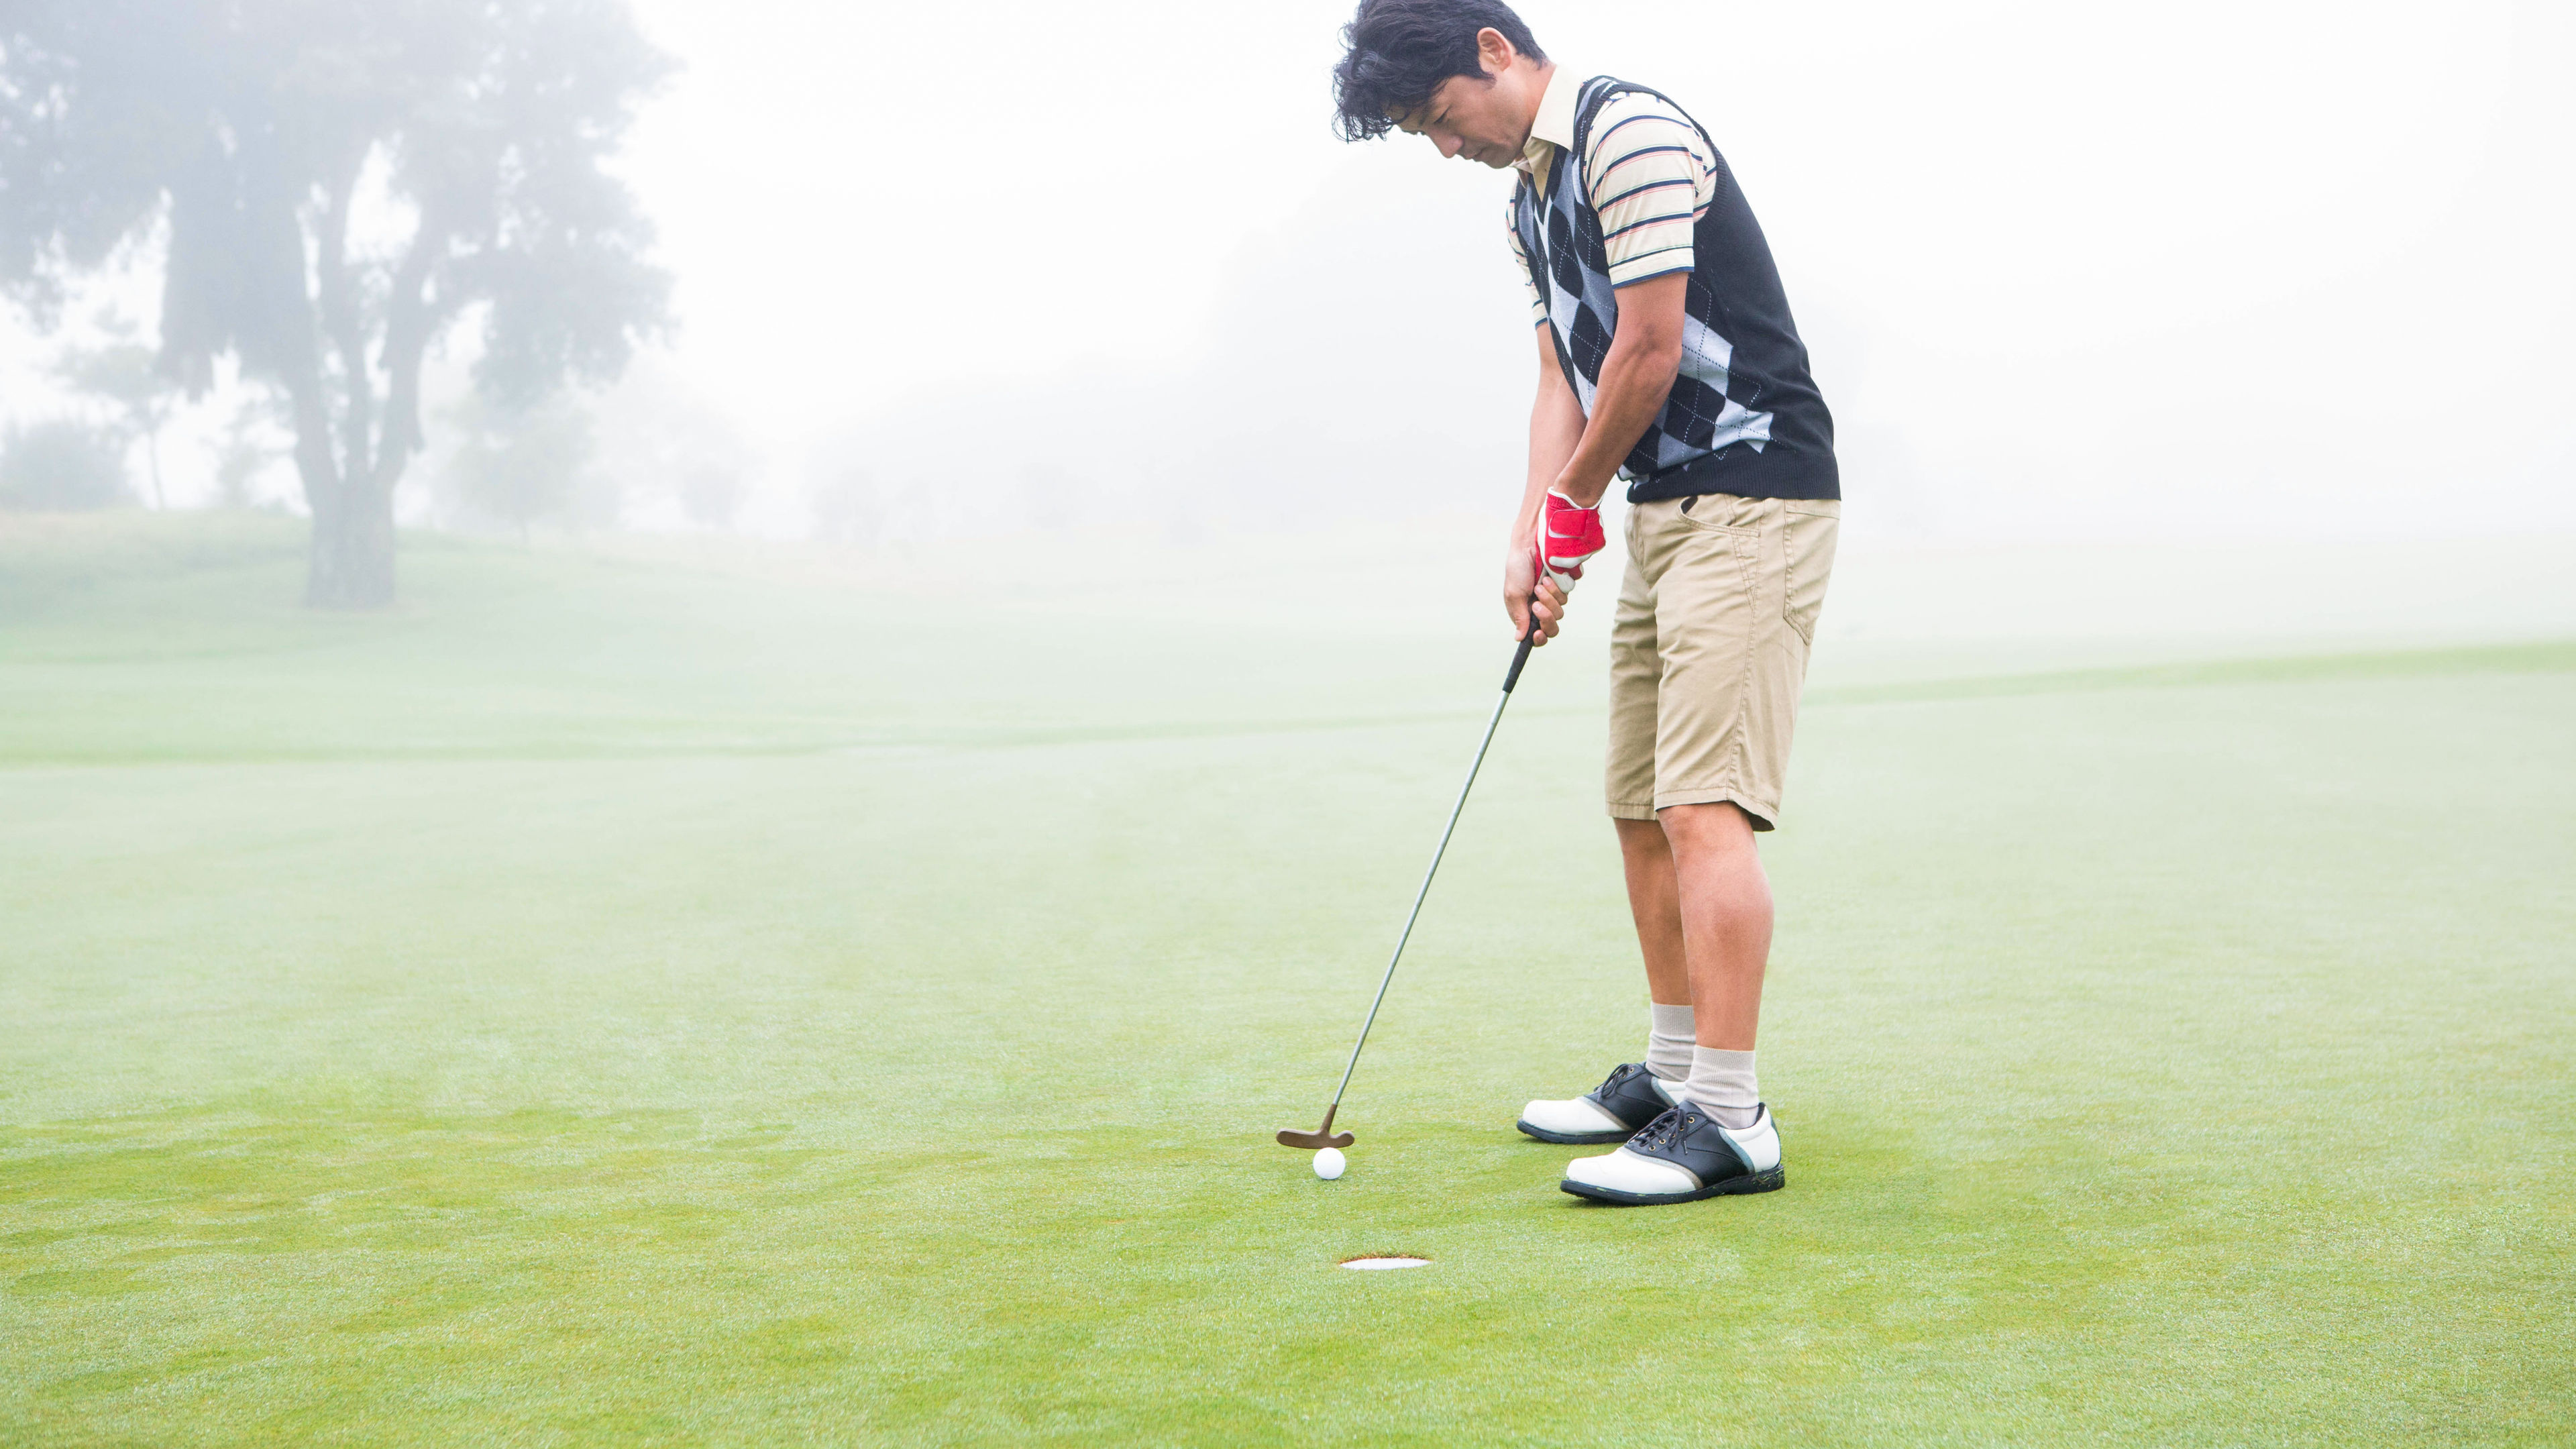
<point>1511,678</point>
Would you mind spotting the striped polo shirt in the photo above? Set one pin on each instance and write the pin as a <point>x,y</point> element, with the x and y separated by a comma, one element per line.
<point>1648,195</point>
<point>1646,169</point>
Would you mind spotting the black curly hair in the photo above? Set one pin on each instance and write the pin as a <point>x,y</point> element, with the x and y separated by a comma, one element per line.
<point>1397,52</point>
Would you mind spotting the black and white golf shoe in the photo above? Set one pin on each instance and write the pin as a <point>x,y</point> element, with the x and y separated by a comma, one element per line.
<point>1683,1156</point>
<point>1627,1099</point>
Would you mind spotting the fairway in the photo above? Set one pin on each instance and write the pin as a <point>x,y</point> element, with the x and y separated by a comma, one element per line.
<point>728,997</point>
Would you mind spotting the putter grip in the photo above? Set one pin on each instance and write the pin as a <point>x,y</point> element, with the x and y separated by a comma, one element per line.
<point>1520,658</point>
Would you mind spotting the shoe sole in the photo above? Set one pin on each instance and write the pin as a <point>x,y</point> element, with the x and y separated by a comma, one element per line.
<point>1771,1181</point>
<point>1576,1139</point>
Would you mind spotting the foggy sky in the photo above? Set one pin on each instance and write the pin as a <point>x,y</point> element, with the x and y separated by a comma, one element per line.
<point>2067,272</point>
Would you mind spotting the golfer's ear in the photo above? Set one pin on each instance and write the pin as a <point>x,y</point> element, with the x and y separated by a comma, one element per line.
<point>1493,52</point>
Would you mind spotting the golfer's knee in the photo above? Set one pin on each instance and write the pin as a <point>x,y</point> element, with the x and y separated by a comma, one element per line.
<point>1699,829</point>
<point>1642,838</point>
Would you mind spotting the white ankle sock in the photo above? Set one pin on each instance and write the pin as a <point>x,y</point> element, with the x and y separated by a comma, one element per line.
<point>1668,1041</point>
<point>1722,1082</point>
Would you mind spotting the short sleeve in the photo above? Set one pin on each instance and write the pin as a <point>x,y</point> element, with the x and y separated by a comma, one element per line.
<point>1650,175</point>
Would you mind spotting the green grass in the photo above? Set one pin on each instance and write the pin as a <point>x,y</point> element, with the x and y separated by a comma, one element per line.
<point>663,1000</point>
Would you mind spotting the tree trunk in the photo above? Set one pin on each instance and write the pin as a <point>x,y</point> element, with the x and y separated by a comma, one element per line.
<point>352,563</point>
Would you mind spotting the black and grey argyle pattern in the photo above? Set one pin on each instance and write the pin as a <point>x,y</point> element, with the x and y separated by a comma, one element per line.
<point>1744,417</point>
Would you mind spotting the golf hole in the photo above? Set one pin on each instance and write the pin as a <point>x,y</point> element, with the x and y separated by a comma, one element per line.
<point>1397,1260</point>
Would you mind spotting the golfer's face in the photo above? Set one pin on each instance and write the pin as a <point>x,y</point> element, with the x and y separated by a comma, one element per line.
<point>1466,118</point>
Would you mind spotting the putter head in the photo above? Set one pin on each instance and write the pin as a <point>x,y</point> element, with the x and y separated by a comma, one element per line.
<point>1322,1137</point>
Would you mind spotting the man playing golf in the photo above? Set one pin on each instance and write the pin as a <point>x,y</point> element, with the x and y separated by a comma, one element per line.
<point>1666,357</point>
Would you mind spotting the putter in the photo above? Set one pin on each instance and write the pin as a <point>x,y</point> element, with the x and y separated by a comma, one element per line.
<point>1325,1136</point>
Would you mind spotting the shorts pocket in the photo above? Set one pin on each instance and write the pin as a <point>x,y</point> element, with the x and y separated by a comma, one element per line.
<point>1808,531</point>
<point>1725,513</point>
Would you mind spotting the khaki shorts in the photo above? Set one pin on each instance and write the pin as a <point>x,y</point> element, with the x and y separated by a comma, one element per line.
<point>1709,647</point>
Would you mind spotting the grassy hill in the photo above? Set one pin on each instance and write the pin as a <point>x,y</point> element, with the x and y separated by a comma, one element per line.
<point>670,993</point>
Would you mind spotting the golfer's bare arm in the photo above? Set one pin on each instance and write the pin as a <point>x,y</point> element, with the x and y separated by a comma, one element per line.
<point>1556,427</point>
<point>1577,456</point>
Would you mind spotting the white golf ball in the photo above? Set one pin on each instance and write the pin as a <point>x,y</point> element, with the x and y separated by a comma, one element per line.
<point>1329,1163</point>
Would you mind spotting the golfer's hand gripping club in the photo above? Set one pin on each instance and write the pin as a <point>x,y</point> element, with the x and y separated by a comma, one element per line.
<point>1563,537</point>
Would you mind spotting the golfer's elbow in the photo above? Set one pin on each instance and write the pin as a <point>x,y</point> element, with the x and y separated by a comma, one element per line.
<point>1665,362</point>
<point>1653,358</point>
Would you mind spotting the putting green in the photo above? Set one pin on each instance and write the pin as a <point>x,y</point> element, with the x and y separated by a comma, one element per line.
<point>623,1001</point>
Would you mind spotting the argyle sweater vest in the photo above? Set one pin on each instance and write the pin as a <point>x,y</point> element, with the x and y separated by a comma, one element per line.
<point>1744,417</point>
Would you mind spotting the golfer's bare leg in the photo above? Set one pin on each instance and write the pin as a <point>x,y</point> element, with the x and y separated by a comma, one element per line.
<point>1724,918</point>
<point>1654,900</point>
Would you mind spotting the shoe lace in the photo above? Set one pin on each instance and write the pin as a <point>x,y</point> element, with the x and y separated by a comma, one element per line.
<point>1667,1125</point>
<point>1618,1074</point>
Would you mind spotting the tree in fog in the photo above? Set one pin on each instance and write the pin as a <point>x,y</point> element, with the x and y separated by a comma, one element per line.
<point>61,464</point>
<point>339,182</point>
<point>666,451</point>
<point>247,450</point>
<point>524,466</point>
<point>124,373</point>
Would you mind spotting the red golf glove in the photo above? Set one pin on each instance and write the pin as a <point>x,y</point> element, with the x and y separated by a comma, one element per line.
<point>1567,536</point>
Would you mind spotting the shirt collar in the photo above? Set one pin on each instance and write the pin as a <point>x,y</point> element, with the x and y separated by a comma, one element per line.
<point>1553,126</point>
